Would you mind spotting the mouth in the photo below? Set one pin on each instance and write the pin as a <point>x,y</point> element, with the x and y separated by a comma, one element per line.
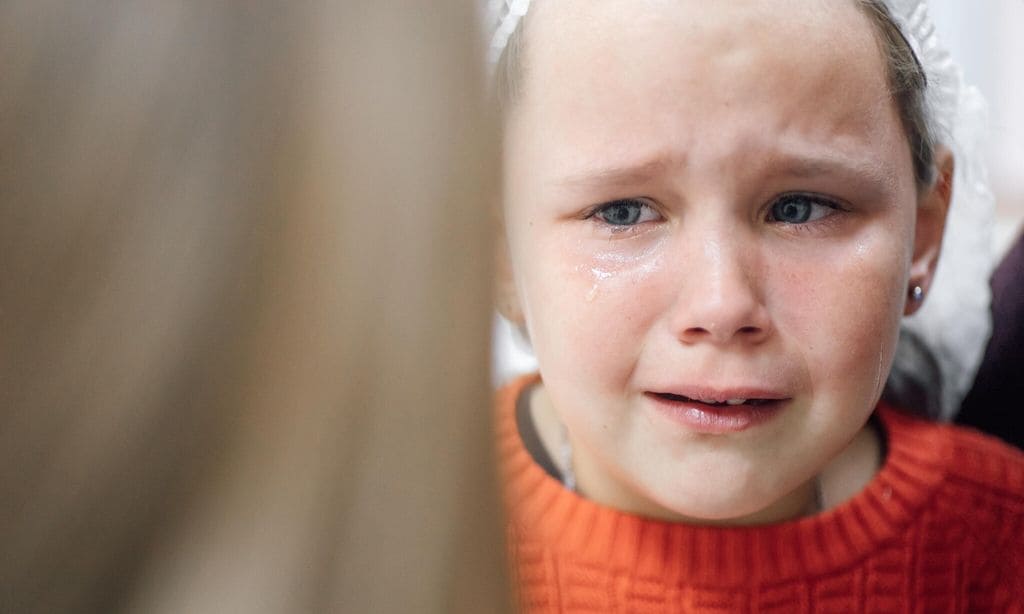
<point>719,413</point>
<point>678,398</point>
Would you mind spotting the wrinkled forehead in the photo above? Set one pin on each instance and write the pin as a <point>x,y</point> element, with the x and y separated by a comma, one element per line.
<point>713,43</point>
<point>812,69</point>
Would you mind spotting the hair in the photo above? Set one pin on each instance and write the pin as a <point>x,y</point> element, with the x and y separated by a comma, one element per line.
<point>906,77</point>
<point>908,84</point>
<point>244,357</point>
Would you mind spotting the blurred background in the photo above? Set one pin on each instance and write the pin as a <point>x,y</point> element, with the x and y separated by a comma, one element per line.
<point>985,39</point>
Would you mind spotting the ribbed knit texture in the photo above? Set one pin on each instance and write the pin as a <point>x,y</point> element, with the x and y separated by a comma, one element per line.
<point>939,529</point>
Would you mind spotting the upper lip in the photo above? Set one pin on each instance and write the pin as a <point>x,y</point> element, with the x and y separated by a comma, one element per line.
<point>722,394</point>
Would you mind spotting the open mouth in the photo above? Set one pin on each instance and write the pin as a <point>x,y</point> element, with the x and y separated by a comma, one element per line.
<point>678,398</point>
<point>726,412</point>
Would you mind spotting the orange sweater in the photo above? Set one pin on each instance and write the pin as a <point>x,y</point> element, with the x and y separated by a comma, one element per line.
<point>939,529</point>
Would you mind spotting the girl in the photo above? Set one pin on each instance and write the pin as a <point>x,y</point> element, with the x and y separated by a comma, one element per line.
<point>716,216</point>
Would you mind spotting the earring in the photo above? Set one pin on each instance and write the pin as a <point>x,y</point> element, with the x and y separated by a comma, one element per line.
<point>917,294</point>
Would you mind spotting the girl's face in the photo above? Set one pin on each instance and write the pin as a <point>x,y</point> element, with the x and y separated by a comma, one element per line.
<point>707,200</point>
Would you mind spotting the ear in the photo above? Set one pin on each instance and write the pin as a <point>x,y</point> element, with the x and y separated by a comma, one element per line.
<point>506,295</point>
<point>932,207</point>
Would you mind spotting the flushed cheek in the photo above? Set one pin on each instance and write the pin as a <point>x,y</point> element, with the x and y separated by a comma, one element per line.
<point>595,307</point>
<point>844,314</point>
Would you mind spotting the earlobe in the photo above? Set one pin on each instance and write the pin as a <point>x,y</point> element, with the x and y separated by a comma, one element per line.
<point>932,208</point>
<point>506,295</point>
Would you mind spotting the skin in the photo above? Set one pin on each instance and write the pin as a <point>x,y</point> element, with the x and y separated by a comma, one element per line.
<point>709,113</point>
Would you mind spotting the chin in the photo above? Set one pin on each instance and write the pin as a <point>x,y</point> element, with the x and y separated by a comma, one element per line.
<point>721,505</point>
<point>722,514</point>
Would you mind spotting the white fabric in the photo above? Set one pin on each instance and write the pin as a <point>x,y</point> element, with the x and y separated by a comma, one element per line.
<point>503,17</point>
<point>955,321</point>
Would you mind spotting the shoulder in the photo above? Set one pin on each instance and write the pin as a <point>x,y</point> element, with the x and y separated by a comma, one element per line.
<point>985,490</point>
<point>968,458</point>
<point>982,462</point>
<point>978,500</point>
<point>971,477</point>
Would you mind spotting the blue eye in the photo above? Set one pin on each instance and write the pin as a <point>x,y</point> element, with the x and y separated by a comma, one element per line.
<point>800,209</point>
<point>625,212</point>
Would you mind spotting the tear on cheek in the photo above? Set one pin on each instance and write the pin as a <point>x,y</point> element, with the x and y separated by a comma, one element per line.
<point>598,277</point>
<point>880,376</point>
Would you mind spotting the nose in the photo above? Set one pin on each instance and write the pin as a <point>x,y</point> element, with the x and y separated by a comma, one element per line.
<point>720,298</point>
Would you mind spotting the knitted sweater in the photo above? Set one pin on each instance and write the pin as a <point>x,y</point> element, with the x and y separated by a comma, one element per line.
<point>940,528</point>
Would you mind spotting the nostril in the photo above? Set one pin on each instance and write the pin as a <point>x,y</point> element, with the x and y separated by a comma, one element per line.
<point>746,322</point>
<point>696,334</point>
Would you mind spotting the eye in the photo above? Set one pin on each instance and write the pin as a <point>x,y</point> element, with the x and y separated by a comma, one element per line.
<point>625,212</point>
<point>801,208</point>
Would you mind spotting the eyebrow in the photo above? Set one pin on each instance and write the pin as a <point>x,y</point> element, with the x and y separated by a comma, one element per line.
<point>803,166</point>
<point>626,174</point>
<point>798,165</point>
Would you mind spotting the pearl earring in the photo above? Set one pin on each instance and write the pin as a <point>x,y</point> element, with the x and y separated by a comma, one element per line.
<point>917,294</point>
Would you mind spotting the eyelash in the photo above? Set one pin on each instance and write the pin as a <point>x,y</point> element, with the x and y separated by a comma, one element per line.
<point>595,213</point>
<point>810,225</point>
<point>802,226</point>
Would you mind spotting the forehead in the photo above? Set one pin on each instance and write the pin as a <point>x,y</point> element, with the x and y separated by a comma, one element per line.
<point>612,77</point>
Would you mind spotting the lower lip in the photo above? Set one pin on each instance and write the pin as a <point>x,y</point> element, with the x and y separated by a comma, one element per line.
<point>715,420</point>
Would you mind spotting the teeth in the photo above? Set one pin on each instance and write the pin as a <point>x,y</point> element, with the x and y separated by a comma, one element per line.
<point>732,402</point>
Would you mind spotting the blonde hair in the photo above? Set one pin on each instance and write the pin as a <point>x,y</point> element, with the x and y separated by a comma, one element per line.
<point>244,306</point>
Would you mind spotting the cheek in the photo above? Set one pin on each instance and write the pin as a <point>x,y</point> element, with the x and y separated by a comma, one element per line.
<point>843,310</point>
<point>589,311</point>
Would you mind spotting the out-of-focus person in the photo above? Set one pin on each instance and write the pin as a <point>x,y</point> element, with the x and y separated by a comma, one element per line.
<point>244,308</point>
